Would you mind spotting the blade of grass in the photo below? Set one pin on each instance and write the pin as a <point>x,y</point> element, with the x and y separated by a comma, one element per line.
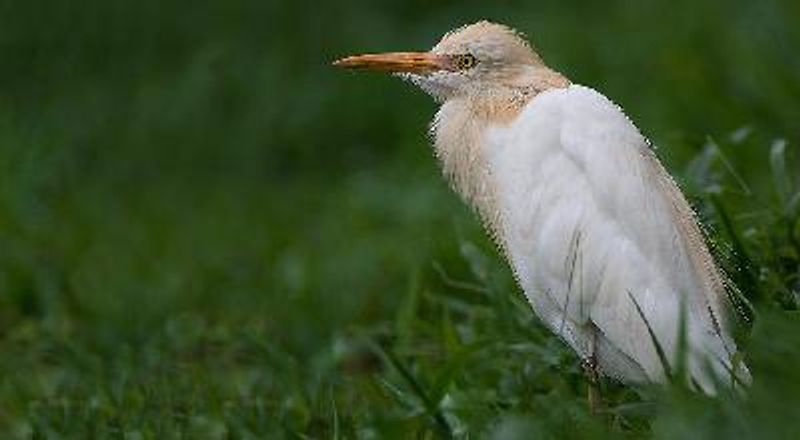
<point>747,278</point>
<point>431,407</point>
<point>662,357</point>
<point>780,178</point>
<point>682,347</point>
<point>725,162</point>
<point>335,415</point>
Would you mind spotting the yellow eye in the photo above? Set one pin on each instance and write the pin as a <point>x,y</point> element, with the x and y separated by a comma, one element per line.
<point>466,61</point>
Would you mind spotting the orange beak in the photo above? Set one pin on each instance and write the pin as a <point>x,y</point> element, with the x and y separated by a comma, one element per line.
<point>407,62</point>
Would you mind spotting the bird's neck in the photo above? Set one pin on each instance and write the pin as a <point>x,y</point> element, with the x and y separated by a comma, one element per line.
<point>459,132</point>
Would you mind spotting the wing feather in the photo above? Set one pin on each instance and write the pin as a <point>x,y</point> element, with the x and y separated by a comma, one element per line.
<point>589,219</point>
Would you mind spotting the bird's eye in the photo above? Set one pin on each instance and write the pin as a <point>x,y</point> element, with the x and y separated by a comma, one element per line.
<point>465,61</point>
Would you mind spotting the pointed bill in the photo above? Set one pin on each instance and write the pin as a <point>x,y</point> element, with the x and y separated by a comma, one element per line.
<point>406,62</point>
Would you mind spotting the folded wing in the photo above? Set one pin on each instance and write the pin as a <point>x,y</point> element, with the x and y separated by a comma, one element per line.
<point>594,227</point>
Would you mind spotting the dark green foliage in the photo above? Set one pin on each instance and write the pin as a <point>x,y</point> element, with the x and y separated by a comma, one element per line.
<point>207,232</point>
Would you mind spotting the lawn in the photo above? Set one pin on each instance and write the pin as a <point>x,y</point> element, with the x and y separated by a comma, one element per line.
<point>208,232</point>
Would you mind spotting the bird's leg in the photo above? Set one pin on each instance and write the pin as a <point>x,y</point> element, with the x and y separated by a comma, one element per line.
<point>590,369</point>
<point>592,372</point>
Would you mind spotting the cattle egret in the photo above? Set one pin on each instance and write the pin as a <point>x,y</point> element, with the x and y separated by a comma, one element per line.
<point>600,238</point>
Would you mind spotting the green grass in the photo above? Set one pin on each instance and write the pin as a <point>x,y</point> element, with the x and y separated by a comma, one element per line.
<point>206,232</point>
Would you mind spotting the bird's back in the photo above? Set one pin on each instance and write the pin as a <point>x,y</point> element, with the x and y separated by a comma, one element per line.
<point>603,242</point>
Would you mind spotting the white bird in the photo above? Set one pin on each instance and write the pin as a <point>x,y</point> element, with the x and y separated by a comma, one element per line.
<point>601,239</point>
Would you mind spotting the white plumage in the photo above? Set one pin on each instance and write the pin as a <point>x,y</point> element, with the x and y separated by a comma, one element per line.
<point>591,223</point>
<point>601,240</point>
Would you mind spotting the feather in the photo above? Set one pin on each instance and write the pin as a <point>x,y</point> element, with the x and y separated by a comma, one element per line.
<point>574,155</point>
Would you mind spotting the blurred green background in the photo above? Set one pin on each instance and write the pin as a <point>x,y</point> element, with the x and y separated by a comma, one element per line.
<point>208,232</point>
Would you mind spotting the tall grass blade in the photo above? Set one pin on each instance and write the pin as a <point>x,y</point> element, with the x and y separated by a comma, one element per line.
<point>431,407</point>
<point>746,274</point>
<point>662,357</point>
<point>780,177</point>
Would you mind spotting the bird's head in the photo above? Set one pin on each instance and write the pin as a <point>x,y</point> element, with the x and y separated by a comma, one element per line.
<point>477,58</point>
